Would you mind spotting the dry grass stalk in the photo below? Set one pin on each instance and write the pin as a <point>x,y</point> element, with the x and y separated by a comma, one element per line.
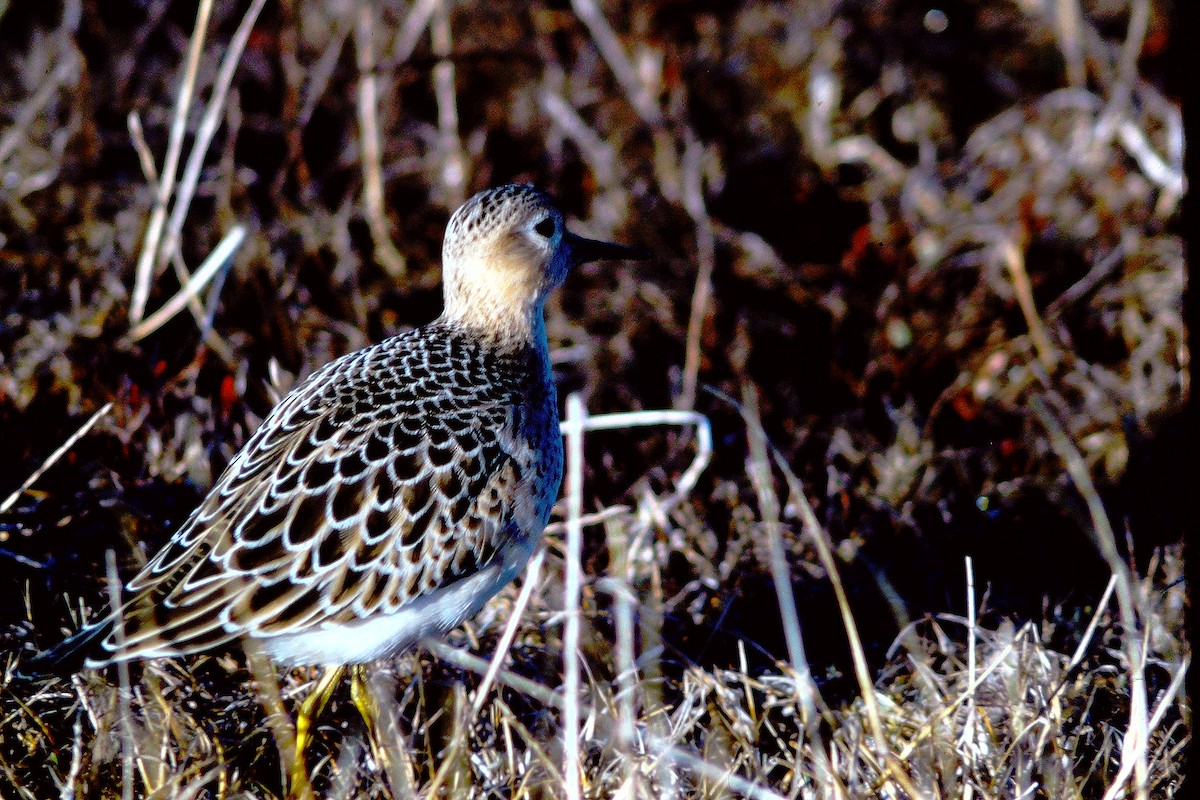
<point>129,746</point>
<point>163,235</point>
<point>706,258</point>
<point>218,259</point>
<point>148,261</point>
<point>454,171</point>
<point>1136,741</point>
<point>574,426</point>
<point>369,138</point>
<point>53,458</point>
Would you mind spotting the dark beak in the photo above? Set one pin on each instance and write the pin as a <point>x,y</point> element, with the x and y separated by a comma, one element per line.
<point>584,250</point>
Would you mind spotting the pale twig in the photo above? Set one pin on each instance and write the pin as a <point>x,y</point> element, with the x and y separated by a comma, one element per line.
<point>967,747</point>
<point>532,572</point>
<point>410,32</point>
<point>865,150</point>
<point>618,61</point>
<point>397,761</point>
<point>279,722</point>
<point>203,315</point>
<point>574,427</point>
<point>600,156</point>
<point>124,693</point>
<point>893,767</point>
<point>1088,283</point>
<point>1164,701</point>
<point>1093,623</point>
<point>208,334</point>
<point>1117,109</point>
<point>1014,260</point>
<point>758,467</point>
<point>319,74</point>
<point>368,128</point>
<point>824,97</point>
<point>693,201</point>
<point>1068,26</point>
<point>933,723</point>
<point>216,260</point>
<point>68,787</point>
<point>210,120</point>
<point>464,660</point>
<point>150,173</point>
<point>145,158</point>
<point>450,774</point>
<point>148,259</point>
<point>454,162</point>
<point>55,456</point>
<point>1136,740</point>
<point>635,419</point>
<point>805,688</point>
<point>1156,169</point>
<point>185,190</point>
<point>618,586</point>
<point>86,701</point>
<point>595,518</point>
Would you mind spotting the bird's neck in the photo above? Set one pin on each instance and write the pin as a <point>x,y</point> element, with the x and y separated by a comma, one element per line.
<point>503,325</point>
<point>496,295</point>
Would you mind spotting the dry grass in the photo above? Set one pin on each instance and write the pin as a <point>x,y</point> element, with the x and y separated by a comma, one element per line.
<point>870,484</point>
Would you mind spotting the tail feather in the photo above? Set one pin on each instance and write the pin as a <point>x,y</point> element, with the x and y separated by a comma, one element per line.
<point>68,656</point>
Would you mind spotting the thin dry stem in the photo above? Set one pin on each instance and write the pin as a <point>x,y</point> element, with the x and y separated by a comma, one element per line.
<point>529,582</point>
<point>465,660</point>
<point>217,259</point>
<point>1136,741</point>
<point>210,120</point>
<point>279,721</point>
<point>574,425</point>
<point>409,34</point>
<point>635,419</point>
<point>454,162</point>
<point>888,763</point>
<point>1014,260</point>
<point>966,741</point>
<point>1116,111</point>
<point>150,258</point>
<point>758,467</point>
<point>693,201</point>
<point>372,151</point>
<point>1067,18</point>
<point>618,61</point>
<point>53,458</point>
<point>129,748</point>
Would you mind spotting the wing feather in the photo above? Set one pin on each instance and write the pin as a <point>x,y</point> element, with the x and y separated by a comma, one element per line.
<point>340,506</point>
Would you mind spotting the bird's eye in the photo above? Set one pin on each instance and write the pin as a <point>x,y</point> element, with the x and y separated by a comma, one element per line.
<point>545,227</point>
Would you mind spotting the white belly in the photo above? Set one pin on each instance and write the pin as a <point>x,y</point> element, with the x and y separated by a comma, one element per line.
<point>384,636</point>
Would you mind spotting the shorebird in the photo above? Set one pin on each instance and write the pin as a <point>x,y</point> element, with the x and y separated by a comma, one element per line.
<point>391,493</point>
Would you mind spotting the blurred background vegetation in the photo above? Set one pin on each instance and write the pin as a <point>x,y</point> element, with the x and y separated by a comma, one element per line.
<point>911,240</point>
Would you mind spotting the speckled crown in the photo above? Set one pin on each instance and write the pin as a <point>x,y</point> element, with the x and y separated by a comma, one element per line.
<point>489,209</point>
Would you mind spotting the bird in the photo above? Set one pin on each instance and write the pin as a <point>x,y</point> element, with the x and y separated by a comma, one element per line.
<point>391,493</point>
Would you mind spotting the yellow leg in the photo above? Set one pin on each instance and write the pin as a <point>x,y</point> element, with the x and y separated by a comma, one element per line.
<point>364,701</point>
<point>312,707</point>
